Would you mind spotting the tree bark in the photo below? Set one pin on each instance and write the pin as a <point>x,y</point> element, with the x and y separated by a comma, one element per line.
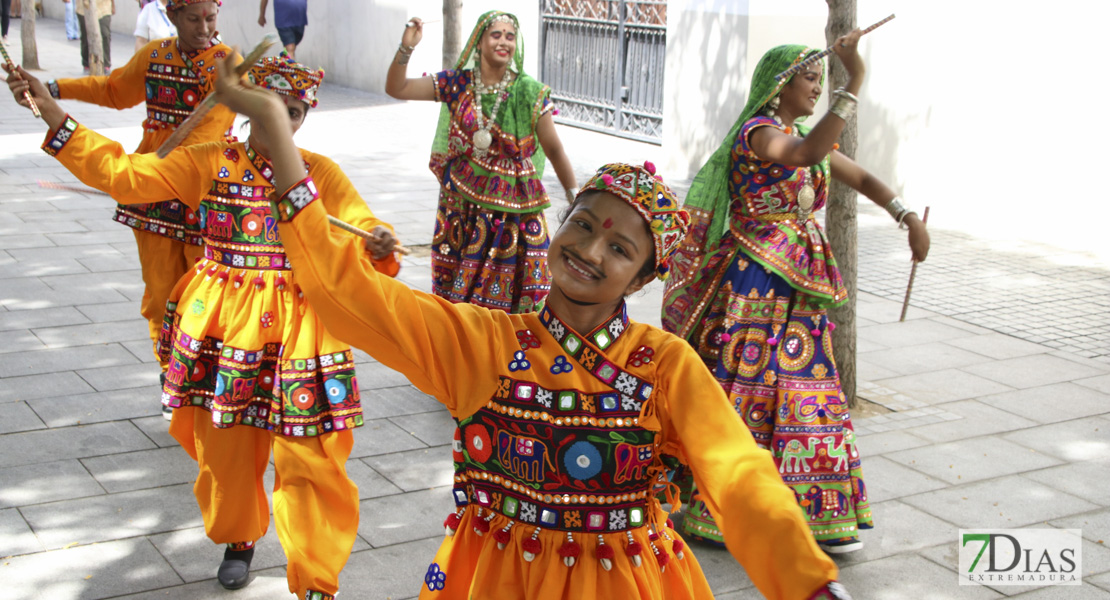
<point>840,218</point>
<point>452,32</point>
<point>93,39</point>
<point>30,58</point>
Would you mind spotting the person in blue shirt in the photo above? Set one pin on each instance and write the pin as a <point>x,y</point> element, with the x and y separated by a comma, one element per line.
<point>290,18</point>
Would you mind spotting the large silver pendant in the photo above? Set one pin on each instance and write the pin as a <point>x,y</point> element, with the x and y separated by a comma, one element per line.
<point>482,139</point>
<point>806,197</point>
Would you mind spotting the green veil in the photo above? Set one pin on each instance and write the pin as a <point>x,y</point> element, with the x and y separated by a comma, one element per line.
<point>516,112</point>
<point>709,190</point>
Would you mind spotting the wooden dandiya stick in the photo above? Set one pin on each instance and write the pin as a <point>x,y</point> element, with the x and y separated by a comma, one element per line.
<point>27,93</point>
<point>50,185</point>
<point>411,24</point>
<point>189,124</point>
<point>366,235</point>
<point>913,271</point>
<point>822,54</point>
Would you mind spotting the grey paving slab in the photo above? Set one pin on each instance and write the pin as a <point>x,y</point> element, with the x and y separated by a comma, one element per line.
<point>1087,480</point>
<point>370,483</point>
<point>869,371</point>
<point>978,420</point>
<point>1078,440</point>
<point>94,333</point>
<point>42,317</point>
<point>922,358</point>
<point>906,577</point>
<point>65,359</point>
<point>910,333</point>
<point>265,584</point>
<point>98,571</point>
<point>434,428</point>
<point>142,470</point>
<point>998,345</point>
<point>17,416</point>
<point>142,350</point>
<point>382,436</point>
<point>32,447</point>
<point>975,459</point>
<point>46,482</point>
<point>394,401</point>
<point>1083,592</point>
<point>875,444</point>
<point>415,469</point>
<point>16,536</point>
<point>395,571</point>
<point>1102,581</point>
<point>1032,371</point>
<point>889,480</point>
<point>19,340</point>
<point>899,529</point>
<point>98,407</point>
<point>946,385</point>
<point>1100,383</point>
<point>384,521</point>
<point>114,516</point>
<point>377,375</point>
<point>722,571</point>
<point>196,558</point>
<point>120,378</point>
<point>1005,502</point>
<point>1095,526</point>
<point>40,268</point>
<point>157,429</point>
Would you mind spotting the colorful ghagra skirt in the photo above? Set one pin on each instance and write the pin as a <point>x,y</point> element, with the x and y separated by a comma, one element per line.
<point>489,258</point>
<point>770,348</point>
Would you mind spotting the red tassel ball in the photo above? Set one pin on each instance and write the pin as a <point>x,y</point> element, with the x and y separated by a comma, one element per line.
<point>653,537</point>
<point>649,167</point>
<point>678,546</point>
<point>816,332</point>
<point>832,326</point>
<point>670,524</point>
<point>532,545</point>
<point>633,549</point>
<point>222,275</point>
<point>501,536</point>
<point>481,525</point>
<point>772,341</point>
<point>605,551</point>
<point>663,558</point>
<point>258,282</point>
<point>452,521</point>
<point>569,549</point>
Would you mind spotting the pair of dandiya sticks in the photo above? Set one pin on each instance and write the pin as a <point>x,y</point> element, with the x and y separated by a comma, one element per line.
<point>816,57</point>
<point>190,123</point>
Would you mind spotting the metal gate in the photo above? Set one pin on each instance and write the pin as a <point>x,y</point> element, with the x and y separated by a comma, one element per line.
<point>604,62</point>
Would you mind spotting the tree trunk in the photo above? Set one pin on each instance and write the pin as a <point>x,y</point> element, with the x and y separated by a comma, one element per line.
<point>452,32</point>
<point>93,39</point>
<point>840,219</point>
<point>30,58</point>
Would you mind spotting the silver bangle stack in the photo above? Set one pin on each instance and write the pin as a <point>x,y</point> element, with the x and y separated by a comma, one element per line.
<point>572,193</point>
<point>405,53</point>
<point>899,210</point>
<point>844,104</point>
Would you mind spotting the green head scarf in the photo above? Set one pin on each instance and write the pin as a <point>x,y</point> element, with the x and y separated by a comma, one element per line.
<point>709,190</point>
<point>515,114</point>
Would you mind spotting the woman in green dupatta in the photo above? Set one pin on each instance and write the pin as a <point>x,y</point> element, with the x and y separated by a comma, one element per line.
<point>495,132</point>
<point>752,283</point>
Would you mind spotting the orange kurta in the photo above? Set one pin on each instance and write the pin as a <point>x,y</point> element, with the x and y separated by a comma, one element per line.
<point>247,354</point>
<point>172,83</point>
<point>548,455</point>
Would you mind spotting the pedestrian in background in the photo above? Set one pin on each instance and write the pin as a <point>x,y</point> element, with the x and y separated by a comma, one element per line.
<point>5,19</point>
<point>105,8</point>
<point>290,18</point>
<point>153,24</point>
<point>72,31</point>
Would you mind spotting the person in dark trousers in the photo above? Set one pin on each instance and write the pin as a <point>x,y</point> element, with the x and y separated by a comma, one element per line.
<point>290,18</point>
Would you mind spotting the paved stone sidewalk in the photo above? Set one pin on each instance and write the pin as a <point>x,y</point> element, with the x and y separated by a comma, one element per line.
<point>994,394</point>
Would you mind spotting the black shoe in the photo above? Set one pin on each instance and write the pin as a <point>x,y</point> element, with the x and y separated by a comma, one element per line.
<point>235,571</point>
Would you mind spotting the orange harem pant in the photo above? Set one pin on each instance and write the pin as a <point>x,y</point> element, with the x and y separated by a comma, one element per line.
<point>315,503</point>
<point>163,261</point>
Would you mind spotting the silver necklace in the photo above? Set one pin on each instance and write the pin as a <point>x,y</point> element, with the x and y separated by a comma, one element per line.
<point>482,137</point>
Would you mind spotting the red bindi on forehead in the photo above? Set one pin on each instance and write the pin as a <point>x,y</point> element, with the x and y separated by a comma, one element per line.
<point>607,223</point>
